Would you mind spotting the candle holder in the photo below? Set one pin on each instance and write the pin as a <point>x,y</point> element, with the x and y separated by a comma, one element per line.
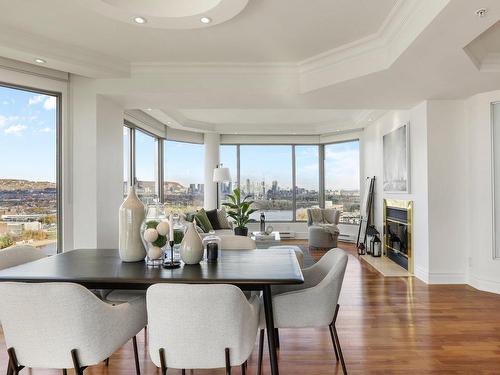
<point>171,263</point>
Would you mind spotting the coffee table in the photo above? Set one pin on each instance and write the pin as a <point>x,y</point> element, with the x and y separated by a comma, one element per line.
<point>266,241</point>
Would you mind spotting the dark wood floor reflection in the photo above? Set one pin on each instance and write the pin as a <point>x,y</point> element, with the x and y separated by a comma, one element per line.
<point>386,326</point>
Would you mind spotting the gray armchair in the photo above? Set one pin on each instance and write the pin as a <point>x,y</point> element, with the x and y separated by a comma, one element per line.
<point>322,227</point>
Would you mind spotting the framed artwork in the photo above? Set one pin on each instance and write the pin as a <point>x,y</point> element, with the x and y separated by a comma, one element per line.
<point>396,160</point>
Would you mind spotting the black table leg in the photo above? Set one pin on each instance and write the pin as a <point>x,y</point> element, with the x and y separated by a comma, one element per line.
<point>271,338</point>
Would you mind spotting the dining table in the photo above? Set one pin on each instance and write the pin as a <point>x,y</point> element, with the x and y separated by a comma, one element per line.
<point>250,270</point>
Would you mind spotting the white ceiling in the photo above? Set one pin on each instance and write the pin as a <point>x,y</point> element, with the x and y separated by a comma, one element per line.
<point>266,30</point>
<point>279,66</point>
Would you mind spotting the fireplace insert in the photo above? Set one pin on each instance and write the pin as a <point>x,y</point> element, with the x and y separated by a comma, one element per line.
<point>397,225</point>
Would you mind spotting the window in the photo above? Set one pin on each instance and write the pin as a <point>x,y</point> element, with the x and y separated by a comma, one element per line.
<point>29,187</point>
<point>342,180</point>
<point>306,180</point>
<point>184,176</point>
<point>146,166</point>
<point>266,174</point>
<point>229,159</point>
<point>126,159</point>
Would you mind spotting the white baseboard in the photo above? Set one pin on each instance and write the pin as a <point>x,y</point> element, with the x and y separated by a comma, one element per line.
<point>484,285</point>
<point>447,278</point>
<point>421,273</point>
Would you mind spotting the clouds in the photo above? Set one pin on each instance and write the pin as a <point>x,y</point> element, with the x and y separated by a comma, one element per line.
<point>49,102</point>
<point>15,129</point>
<point>3,121</point>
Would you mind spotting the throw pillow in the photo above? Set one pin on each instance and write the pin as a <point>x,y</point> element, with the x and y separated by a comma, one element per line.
<point>214,219</point>
<point>223,222</point>
<point>202,220</point>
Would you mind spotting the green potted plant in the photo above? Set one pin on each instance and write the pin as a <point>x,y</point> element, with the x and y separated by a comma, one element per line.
<point>239,210</point>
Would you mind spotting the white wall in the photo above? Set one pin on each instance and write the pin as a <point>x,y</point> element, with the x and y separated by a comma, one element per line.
<point>447,160</point>
<point>484,270</point>
<point>97,152</point>
<point>371,159</point>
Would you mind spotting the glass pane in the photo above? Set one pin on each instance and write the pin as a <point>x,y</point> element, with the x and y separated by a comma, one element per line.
<point>342,180</point>
<point>146,166</point>
<point>306,179</point>
<point>126,159</point>
<point>266,174</point>
<point>184,168</point>
<point>228,159</point>
<point>28,169</point>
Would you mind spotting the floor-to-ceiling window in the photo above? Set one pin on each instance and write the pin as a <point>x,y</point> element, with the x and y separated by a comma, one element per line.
<point>146,166</point>
<point>342,180</point>
<point>266,175</point>
<point>29,186</point>
<point>229,159</point>
<point>183,175</point>
<point>306,180</point>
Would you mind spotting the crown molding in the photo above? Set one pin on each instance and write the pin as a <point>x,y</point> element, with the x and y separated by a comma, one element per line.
<point>374,53</point>
<point>23,46</point>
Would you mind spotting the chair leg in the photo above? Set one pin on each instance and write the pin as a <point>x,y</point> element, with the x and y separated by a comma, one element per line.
<point>228,362</point>
<point>277,336</point>
<point>244,368</point>
<point>333,342</point>
<point>13,363</point>
<point>64,371</point>
<point>106,362</point>
<point>261,352</point>
<point>336,336</point>
<point>163,362</point>
<point>76,363</point>
<point>136,357</point>
<point>183,371</point>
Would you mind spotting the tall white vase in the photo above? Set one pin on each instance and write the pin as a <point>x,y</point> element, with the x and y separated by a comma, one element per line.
<point>132,214</point>
<point>191,248</point>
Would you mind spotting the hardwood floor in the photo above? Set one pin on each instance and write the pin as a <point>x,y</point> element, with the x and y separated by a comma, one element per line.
<point>386,326</point>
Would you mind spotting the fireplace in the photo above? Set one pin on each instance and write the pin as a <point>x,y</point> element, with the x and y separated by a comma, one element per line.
<point>398,215</point>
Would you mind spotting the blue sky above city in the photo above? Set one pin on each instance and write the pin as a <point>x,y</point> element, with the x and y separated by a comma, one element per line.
<point>27,135</point>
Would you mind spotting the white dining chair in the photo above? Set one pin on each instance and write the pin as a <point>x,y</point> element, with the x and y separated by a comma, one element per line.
<point>64,325</point>
<point>200,326</point>
<point>17,255</point>
<point>237,243</point>
<point>313,303</point>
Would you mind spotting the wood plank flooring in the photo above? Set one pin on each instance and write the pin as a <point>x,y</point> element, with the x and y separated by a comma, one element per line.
<point>386,326</point>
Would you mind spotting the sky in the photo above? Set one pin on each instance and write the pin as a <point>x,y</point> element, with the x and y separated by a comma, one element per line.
<point>27,135</point>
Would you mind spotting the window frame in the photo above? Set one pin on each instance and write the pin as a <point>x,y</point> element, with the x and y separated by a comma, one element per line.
<point>59,165</point>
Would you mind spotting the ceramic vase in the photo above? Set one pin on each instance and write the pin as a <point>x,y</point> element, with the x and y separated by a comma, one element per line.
<point>131,216</point>
<point>191,248</point>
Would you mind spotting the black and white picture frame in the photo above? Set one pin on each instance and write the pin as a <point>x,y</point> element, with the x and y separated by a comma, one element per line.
<point>396,160</point>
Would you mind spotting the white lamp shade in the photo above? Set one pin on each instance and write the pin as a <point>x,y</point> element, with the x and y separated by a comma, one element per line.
<point>222,175</point>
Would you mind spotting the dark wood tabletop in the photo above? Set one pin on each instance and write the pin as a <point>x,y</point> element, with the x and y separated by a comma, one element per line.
<point>102,268</point>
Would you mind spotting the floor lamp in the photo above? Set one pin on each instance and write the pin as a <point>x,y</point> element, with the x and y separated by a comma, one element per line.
<point>221,174</point>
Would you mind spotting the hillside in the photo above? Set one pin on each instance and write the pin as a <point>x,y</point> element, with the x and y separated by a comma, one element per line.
<point>12,184</point>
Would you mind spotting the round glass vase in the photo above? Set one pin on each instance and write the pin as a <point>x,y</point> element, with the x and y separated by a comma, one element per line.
<point>154,234</point>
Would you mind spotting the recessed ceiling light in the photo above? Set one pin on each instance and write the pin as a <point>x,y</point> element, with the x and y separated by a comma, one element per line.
<point>40,61</point>
<point>140,20</point>
<point>169,122</point>
<point>205,20</point>
<point>149,109</point>
<point>481,12</point>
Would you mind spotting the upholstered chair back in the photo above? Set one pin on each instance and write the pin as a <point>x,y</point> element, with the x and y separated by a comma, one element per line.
<point>313,303</point>
<point>194,324</point>
<point>43,322</point>
<point>330,216</point>
<point>17,255</point>
<point>237,243</point>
